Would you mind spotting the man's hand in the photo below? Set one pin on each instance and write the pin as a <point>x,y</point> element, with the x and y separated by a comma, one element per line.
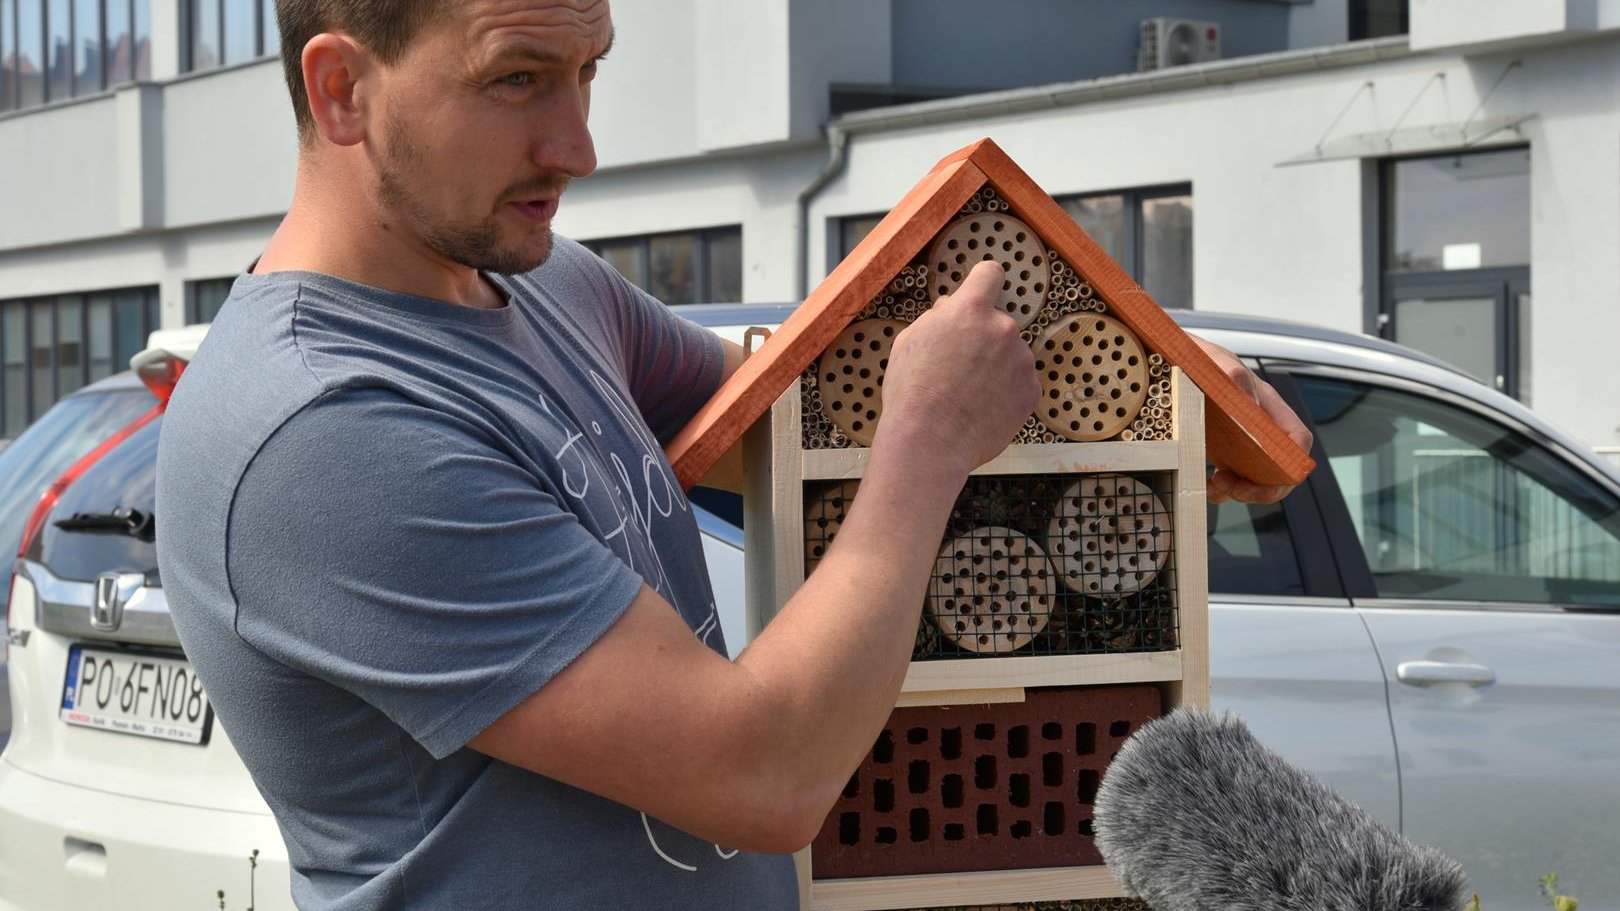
<point>960,381</point>
<point>1226,484</point>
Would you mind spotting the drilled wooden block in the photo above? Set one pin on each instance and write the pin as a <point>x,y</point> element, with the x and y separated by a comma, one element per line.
<point>1094,377</point>
<point>1048,564</point>
<point>953,789</point>
<point>981,183</point>
<point>992,590</point>
<point>824,511</point>
<point>1110,535</point>
<point>999,238</point>
<point>850,376</point>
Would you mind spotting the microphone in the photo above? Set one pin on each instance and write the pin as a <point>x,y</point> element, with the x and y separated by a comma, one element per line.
<point>1195,815</point>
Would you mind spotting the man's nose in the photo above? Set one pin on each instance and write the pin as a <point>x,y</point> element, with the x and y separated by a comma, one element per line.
<point>564,142</point>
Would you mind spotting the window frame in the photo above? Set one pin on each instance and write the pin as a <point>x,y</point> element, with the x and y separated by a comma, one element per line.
<point>188,31</point>
<point>701,237</point>
<point>1504,283</point>
<point>1132,202</point>
<point>193,304</point>
<point>149,319</point>
<point>9,100</point>
<point>1359,24</point>
<point>1308,510</point>
<point>1347,549</point>
<point>12,102</point>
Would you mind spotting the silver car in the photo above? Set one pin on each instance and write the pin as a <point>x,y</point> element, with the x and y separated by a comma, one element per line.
<point>1431,624</point>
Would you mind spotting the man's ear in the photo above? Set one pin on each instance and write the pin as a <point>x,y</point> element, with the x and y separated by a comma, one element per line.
<point>334,66</point>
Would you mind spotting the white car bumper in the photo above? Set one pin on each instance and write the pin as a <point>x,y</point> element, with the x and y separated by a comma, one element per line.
<point>66,847</point>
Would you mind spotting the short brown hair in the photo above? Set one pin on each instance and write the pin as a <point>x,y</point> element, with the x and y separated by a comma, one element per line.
<point>385,27</point>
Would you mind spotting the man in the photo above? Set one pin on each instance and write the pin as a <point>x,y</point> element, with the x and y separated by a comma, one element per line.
<point>421,543</point>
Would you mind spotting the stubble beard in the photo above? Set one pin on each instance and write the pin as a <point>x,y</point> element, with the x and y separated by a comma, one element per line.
<point>476,245</point>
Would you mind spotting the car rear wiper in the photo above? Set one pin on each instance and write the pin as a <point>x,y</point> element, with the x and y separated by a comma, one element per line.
<point>122,520</point>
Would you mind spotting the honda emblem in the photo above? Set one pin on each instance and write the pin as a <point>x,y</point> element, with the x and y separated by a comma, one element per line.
<point>108,613</point>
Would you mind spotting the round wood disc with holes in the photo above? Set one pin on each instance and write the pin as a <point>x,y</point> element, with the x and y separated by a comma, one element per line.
<point>1111,535</point>
<point>1094,377</point>
<point>992,590</point>
<point>850,376</point>
<point>823,516</point>
<point>995,236</point>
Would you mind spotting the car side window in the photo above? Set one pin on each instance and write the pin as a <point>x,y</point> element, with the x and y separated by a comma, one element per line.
<point>1452,506</point>
<point>1251,551</point>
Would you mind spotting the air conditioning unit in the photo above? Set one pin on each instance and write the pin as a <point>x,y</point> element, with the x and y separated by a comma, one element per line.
<point>1177,42</point>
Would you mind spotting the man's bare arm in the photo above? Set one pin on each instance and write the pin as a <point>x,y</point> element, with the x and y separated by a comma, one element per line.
<point>752,754</point>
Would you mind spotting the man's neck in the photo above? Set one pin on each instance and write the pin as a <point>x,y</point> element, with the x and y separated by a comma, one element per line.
<point>358,244</point>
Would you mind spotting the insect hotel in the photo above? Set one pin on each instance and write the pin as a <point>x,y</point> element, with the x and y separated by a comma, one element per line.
<point>1069,602</point>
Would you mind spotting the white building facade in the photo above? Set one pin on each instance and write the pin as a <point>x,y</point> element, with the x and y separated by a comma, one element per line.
<point>1453,184</point>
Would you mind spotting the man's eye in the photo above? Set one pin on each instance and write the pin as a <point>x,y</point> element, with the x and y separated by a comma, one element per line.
<point>516,79</point>
<point>588,72</point>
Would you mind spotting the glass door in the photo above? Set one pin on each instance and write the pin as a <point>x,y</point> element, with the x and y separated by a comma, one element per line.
<point>1476,323</point>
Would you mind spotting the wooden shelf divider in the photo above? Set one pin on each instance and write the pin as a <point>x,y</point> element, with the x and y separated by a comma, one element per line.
<point>1035,458</point>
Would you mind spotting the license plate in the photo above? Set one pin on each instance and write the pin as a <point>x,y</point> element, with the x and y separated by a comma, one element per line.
<point>135,693</point>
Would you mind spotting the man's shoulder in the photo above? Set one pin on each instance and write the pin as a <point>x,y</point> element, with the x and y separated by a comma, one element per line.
<point>245,379</point>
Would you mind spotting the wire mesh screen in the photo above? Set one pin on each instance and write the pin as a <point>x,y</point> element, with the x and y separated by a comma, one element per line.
<point>1043,564</point>
<point>982,787</point>
<point>1099,382</point>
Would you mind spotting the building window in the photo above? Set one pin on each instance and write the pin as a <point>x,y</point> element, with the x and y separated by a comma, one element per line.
<point>205,297</point>
<point>1148,232</point>
<point>682,267</point>
<point>1377,18</point>
<point>1456,262</point>
<point>851,231</point>
<point>50,346</point>
<point>51,50</point>
<point>225,32</point>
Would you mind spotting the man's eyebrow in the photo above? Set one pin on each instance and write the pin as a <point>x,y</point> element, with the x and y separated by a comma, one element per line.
<point>540,53</point>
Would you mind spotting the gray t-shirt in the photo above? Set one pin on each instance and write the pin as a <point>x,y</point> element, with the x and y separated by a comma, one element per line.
<point>386,521</point>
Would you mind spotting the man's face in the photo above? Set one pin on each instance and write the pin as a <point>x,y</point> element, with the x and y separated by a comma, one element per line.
<point>482,125</point>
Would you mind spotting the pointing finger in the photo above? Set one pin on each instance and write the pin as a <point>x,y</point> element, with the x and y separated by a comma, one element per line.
<point>982,284</point>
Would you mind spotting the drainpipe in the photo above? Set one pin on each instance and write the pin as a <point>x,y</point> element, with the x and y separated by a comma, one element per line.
<point>837,145</point>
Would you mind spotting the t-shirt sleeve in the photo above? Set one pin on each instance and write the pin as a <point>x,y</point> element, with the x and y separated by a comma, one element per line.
<point>397,553</point>
<point>675,365</point>
<point>672,365</point>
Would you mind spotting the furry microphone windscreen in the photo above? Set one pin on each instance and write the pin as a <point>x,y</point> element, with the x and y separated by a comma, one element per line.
<point>1195,815</point>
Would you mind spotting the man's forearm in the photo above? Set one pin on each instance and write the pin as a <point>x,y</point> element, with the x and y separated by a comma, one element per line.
<point>836,655</point>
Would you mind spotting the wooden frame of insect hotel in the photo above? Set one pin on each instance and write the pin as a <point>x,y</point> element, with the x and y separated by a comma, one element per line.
<point>1068,603</point>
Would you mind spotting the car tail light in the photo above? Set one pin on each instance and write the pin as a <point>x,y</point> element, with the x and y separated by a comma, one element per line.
<point>160,371</point>
<point>47,500</point>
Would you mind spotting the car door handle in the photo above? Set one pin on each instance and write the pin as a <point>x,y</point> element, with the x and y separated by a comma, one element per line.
<point>1429,673</point>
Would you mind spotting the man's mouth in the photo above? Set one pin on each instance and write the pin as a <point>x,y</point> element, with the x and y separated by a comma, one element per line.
<point>542,209</point>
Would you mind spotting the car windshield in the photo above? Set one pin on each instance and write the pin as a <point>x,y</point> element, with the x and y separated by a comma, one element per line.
<point>42,452</point>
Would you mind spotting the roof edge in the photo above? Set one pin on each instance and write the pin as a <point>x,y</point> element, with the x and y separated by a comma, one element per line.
<point>1127,85</point>
<point>1239,433</point>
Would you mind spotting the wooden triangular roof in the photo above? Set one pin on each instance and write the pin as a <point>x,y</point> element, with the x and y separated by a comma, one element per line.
<point>1238,432</point>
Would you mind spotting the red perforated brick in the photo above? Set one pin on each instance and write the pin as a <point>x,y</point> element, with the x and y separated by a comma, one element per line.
<point>952,789</point>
